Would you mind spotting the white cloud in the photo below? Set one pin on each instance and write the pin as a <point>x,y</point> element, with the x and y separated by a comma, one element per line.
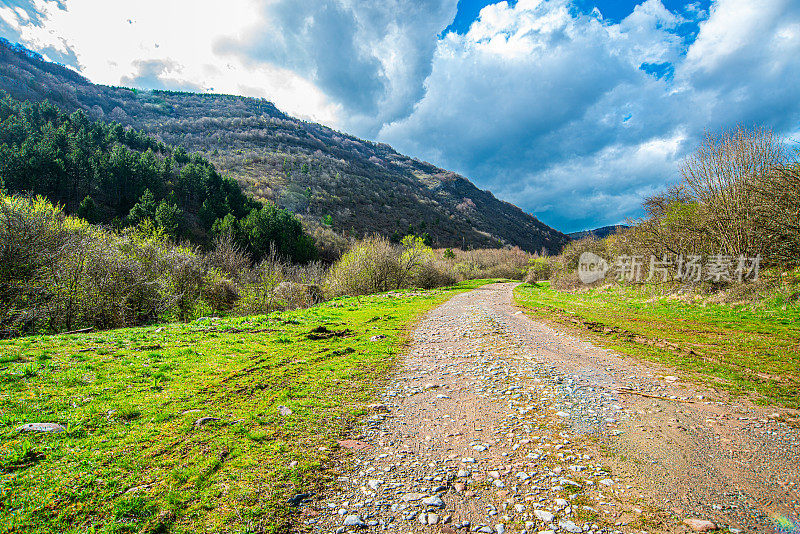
<point>745,64</point>
<point>157,44</point>
<point>370,57</point>
<point>549,108</point>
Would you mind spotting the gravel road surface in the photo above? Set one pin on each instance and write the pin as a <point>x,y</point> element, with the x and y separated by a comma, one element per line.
<point>495,423</point>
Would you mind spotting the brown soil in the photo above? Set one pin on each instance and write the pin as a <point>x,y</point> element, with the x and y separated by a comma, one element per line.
<point>539,410</point>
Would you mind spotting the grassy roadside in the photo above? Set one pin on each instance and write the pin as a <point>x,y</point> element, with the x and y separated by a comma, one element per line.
<point>752,350</point>
<point>134,458</point>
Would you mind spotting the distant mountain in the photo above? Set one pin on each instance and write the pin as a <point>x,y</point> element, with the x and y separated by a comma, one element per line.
<point>599,233</point>
<point>324,176</point>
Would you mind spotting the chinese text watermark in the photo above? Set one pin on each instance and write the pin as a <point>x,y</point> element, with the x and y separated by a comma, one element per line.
<point>685,268</point>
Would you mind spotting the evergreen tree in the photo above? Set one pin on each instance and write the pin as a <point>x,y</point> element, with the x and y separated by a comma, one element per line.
<point>87,210</point>
<point>108,174</point>
<point>168,217</point>
<point>144,209</point>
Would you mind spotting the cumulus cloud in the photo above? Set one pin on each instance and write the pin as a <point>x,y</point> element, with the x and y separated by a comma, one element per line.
<point>552,110</point>
<point>369,57</point>
<point>569,114</point>
<point>745,64</point>
<point>316,40</point>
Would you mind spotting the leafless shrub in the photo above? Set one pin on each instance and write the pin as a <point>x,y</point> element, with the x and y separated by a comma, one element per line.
<point>258,289</point>
<point>370,266</point>
<point>736,197</point>
<point>330,245</point>
<point>568,260</point>
<point>414,255</point>
<point>435,273</point>
<point>567,281</point>
<point>776,199</point>
<point>293,295</point>
<point>311,273</point>
<point>187,277</point>
<point>220,293</point>
<point>508,262</point>
<point>108,276</point>
<point>227,257</point>
<point>720,177</point>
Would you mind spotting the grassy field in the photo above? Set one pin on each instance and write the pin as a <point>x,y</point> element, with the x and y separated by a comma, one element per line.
<point>134,458</point>
<point>744,349</point>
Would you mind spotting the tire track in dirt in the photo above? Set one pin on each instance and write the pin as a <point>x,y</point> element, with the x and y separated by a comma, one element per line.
<point>495,423</point>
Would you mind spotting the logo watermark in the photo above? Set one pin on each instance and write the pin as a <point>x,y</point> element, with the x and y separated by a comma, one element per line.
<point>784,525</point>
<point>686,268</point>
<point>591,268</point>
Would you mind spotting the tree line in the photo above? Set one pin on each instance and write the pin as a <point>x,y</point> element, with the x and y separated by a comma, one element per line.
<point>737,202</point>
<point>120,177</point>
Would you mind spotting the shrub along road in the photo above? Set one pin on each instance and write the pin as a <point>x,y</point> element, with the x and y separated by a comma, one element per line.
<point>495,423</point>
<point>491,423</point>
<point>210,426</point>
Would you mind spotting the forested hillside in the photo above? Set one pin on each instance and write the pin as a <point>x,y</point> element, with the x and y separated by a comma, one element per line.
<point>326,177</point>
<point>107,174</point>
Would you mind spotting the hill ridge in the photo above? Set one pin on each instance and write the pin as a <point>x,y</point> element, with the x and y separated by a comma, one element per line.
<point>325,176</point>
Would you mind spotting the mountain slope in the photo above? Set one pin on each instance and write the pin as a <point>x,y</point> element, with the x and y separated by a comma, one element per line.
<point>600,233</point>
<point>356,186</point>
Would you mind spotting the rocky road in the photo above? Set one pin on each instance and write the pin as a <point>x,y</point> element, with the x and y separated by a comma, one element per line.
<point>496,424</point>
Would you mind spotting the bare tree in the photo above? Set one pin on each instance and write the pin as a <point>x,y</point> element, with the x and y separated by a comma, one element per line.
<point>777,206</point>
<point>720,177</point>
<point>228,257</point>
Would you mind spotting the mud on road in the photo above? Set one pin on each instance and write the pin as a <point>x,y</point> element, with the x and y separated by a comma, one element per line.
<point>495,423</point>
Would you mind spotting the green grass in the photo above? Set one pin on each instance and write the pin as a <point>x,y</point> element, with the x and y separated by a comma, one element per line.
<point>744,349</point>
<point>132,458</point>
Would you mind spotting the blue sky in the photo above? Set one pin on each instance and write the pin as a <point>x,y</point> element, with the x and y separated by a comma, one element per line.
<point>612,10</point>
<point>467,12</point>
<point>575,110</point>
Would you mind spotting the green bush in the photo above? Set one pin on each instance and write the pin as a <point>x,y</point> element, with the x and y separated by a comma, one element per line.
<point>370,266</point>
<point>59,273</point>
<point>271,227</point>
<point>540,269</point>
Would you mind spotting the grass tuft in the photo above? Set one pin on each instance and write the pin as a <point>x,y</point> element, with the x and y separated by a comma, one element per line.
<point>745,349</point>
<point>133,459</point>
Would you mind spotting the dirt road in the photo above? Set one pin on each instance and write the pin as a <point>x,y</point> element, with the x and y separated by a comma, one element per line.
<point>495,423</point>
